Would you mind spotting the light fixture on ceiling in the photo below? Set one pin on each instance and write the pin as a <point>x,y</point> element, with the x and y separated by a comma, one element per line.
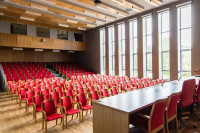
<point>122,15</point>
<point>17,48</point>
<point>72,21</point>
<point>81,28</point>
<point>135,9</point>
<point>90,25</point>
<point>2,6</point>
<point>49,1</point>
<point>71,51</point>
<point>108,19</point>
<point>56,51</point>
<point>81,18</point>
<point>1,13</point>
<point>63,25</point>
<point>39,8</point>
<point>118,2</point>
<point>33,13</point>
<point>25,18</point>
<point>89,13</point>
<point>154,2</point>
<point>100,7</point>
<point>39,50</point>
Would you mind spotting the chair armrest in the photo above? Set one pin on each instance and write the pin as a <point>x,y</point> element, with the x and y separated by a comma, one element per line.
<point>80,106</point>
<point>34,106</point>
<point>90,100</point>
<point>61,109</point>
<point>44,114</point>
<point>144,116</point>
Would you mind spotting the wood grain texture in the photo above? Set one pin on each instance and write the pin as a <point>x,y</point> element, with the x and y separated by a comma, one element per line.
<point>29,55</point>
<point>13,40</point>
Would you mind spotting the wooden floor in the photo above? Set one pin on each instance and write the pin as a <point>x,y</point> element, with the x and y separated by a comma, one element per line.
<point>14,120</point>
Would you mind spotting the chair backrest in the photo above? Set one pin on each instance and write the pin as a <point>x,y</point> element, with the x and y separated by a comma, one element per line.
<point>66,102</point>
<point>80,90</point>
<point>172,104</point>
<point>94,95</point>
<point>29,96</point>
<point>38,99</point>
<point>114,91</point>
<point>56,96</point>
<point>157,113</point>
<point>82,99</point>
<point>186,97</point>
<point>37,89</point>
<point>104,93</point>
<point>49,106</point>
<point>46,93</point>
<point>91,88</point>
<point>23,91</point>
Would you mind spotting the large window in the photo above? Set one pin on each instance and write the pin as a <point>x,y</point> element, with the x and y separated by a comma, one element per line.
<point>133,39</point>
<point>184,40</point>
<point>147,46</point>
<point>42,32</point>
<point>102,51</point>
<point>111,33</point>
<point>164,54</point>
<point>18,29</point>
<point>61,34</point>
<point>122,55</point>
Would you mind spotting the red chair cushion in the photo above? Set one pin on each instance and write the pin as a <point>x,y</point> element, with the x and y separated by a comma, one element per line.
<point>38,109</point>
<point>87,107</point>
<point>54,116</point>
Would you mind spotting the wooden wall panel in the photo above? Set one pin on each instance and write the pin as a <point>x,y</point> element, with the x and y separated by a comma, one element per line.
<point>29,55</point>
<point>13,40</point>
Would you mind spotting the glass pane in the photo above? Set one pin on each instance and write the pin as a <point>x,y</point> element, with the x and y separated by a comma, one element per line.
<point>135,73</point>
<point>186,39</point>
<point>135,62</point>
<point>149,74</point>
<point>185,75</point>
<point>149,26</point>
<point>149,61</point>
<point>186,60</point>
<point>166,75</point>
<point>165,61</point>
<point>186,17</point>
<point>165,41</point>
<point>149,43</point>
<point>135,28</point>
<point>165,21</point>
<point>135,45</point>
<point>131,46</point>
<point>124,62</point>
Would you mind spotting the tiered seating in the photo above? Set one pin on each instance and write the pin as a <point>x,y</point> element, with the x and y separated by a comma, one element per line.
<point>24,71</point>
<point>69,70</point>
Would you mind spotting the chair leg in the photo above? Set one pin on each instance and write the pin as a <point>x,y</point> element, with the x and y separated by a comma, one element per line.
<point>56,121</point>
<point>82,115</point>
<point>86,112</point>
<point>66,120</point>
<point>35,117</point>
<point>46,126</point>
<point>20,103</point>
<point>167,128</point>
<point>42,121</point>
<point>176,121</point>
<point>62,119</point>
<point>79,117</point>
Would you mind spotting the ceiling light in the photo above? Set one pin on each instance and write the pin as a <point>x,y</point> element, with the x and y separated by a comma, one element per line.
<point>152,2</point>
<point>90,25</point>
<point>80,18</point>
<point>25,18</point>
<point>33,13</point>
<point>56,51</point>
<point>17,48</point>
<point>136,10</point>
<point>121,14</point>
<point>39,50</point>
<point>49,1</point>
<point>108,19</point>
<point>89,13</point>
<point>63,25</point>
<point>100,7</point>
<point>39,8</point>
<point>2,6</point>
<point>1,13</point>
<point>116,1</point>
<point>72,21</point>
<point>81,28</point>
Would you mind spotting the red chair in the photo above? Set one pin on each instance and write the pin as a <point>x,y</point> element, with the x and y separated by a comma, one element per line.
<point>22,93</point>
<point>29,99</point>
<point>37,90</point>
<point>154,82</point>
<point>171,111</point>
<point>154,121</point>
<point>104,93</point>
<point>70,94</point>
<point>56,96</point>
<point>83,104</point>
<point>186,100</point>
<point>150,83</point>
<point>197,98</point>
<point>114,91</point>
<point>49,110</point>
<point>37,104</point>
<point>94,95</point>
<point>68,108</point>
<point>46,92</point>
<point>60,90</point>
<point>80,90</point>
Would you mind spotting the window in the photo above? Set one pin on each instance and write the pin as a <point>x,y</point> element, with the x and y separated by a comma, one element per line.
<point>111,50</point>
<point>133,39</point>
<point>164,54</point>
<point>121,42</point>
<point>42,32</point>
<point>62,34</point>
<point>102,51</point>
<point>147,46</point>
<point>184,40</point>
<point>78,37</point>
<point>18,29</point>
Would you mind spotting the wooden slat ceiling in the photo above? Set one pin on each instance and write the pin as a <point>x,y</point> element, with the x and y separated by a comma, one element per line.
<point>66,12</point>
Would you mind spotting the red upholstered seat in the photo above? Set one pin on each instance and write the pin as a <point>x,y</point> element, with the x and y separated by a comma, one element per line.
<point>54,116</point>
<point>87,107</point>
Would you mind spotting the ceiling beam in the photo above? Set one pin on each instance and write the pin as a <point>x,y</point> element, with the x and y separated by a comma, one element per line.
<point>17,5</point>
<point>65,9</point>
<point>136,4</point>
<point>89,7</point>
<point>111,5</point>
